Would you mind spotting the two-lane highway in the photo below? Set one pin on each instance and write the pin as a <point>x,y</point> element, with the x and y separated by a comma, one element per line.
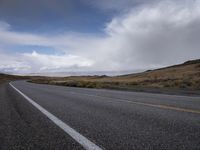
<point>106,119</point>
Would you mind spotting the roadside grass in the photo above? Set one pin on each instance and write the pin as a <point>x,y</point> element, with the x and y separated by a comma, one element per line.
<point>183,76</point>
<point>6,78</point>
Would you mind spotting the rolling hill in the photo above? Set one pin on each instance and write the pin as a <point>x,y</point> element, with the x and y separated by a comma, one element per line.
<point>182,76</point>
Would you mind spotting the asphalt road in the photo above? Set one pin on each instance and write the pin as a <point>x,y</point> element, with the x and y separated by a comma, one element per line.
<point>110,119</point>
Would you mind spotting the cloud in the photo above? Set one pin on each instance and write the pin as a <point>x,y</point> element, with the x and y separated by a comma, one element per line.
<point>37,63</point>
<point>145,37</point>
<point>63,41</point>
<point>13,64</point>
<point>163,34</point>
<point>119,5</point>
<point>21,8</point>
<point>56,62</point>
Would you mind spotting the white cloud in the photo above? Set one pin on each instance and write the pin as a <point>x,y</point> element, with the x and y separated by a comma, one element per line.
<point>165,33</point>
<point>4,25</point>
<point>56,62</point>
<point>13,63</point>
<point>37,63</point>
<point>150,36</point>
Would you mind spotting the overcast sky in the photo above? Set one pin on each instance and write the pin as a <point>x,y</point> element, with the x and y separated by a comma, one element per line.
<point>38,36</point>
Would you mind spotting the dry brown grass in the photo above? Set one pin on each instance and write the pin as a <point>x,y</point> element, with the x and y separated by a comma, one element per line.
<point>5,78</point>
<point>184,76</point>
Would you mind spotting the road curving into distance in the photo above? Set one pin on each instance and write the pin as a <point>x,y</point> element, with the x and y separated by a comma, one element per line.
<point>37,116</point>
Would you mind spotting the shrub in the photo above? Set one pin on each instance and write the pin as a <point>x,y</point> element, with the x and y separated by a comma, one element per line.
<point>134,83</point>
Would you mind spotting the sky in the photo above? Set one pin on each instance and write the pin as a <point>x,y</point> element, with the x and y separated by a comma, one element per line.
<point>48,36</point>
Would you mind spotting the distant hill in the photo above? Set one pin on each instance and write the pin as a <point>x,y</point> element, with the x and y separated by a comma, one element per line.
<point>186,75</point>
<point>182,76</point>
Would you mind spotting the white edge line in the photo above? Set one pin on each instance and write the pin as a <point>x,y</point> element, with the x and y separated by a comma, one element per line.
<point>87,144</point>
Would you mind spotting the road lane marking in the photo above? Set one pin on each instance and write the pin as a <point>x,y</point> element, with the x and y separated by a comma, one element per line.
<point>87,144</point>
<point>166,107</point>
<point>145,104</point>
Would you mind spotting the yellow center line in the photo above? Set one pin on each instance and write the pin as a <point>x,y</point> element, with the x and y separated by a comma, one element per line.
<point>164,107</point>
<point>147,104</point>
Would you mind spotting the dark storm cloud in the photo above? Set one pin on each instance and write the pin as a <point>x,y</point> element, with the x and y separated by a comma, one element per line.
<point>119,5</point>
<point>34,8</point>
<point>50,15</point>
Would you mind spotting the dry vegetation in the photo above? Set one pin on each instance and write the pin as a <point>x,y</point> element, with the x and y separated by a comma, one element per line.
<point>184,76</point>
<point>6,78</point>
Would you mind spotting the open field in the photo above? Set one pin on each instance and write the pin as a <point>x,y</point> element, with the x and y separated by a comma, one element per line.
<point>183,76</point>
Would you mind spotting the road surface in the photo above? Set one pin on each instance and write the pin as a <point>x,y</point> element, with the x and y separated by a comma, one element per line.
<point>55,117</point>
